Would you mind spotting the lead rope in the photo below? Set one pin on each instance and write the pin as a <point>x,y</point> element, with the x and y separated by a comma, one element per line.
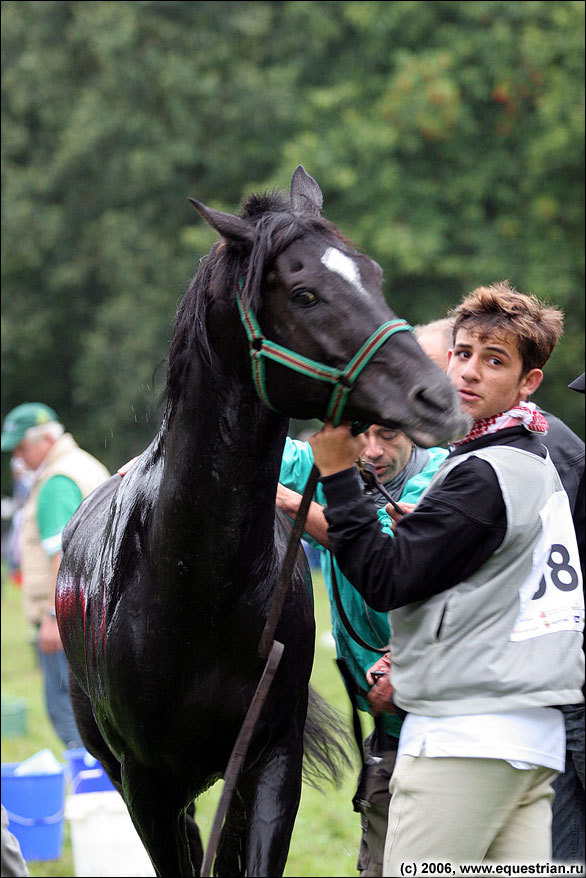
<point>272,650</point>
<point>280,592</point>
<point>371,480</point>
<point>239,753</point>
<point>344,618</point>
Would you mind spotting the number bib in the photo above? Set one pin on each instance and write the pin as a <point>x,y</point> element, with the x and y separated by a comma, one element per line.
<point>552,596</point>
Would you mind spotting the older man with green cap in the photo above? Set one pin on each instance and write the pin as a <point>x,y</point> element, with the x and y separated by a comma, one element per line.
<point>64,475</point>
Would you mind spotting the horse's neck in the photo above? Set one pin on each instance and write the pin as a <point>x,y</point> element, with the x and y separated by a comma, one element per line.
<point>222,460</point>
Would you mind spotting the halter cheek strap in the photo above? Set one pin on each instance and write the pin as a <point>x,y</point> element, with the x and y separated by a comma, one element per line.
<point>342,379</point>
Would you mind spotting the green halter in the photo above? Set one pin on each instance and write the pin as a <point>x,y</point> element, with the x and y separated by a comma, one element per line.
<point>342,379</point>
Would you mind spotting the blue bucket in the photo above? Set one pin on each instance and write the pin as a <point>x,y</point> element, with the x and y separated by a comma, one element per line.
<point>34,804</point>
<point>84,772</point>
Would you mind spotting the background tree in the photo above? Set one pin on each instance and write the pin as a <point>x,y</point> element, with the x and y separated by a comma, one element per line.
<point>447,137</point>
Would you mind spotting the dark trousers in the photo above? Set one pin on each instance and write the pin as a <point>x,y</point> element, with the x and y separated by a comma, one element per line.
<point>380,753</point>
<point>55,670</point>
<point>568,806</point>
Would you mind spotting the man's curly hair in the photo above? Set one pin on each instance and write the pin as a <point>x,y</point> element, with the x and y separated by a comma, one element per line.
<point>535,325</point>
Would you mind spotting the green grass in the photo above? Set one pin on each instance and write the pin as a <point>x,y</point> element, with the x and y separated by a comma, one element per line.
<point>326,835</point>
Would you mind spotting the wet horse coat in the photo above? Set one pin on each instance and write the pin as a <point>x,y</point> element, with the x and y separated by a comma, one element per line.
<point>167,574</point>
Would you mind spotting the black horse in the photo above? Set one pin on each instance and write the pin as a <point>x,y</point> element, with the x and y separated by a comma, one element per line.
<point>168,573</point>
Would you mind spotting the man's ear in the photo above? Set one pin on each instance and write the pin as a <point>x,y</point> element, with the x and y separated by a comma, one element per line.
<point>449,355</point>
<point>530,382</point>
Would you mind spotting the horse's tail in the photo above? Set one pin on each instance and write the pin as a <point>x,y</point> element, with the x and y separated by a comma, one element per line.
<point>327,743</point>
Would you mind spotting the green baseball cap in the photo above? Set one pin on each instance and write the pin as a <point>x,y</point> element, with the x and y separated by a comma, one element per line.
<point>20,419</point>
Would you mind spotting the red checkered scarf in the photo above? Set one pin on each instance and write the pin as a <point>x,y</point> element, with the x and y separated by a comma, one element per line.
<point>524,413</point>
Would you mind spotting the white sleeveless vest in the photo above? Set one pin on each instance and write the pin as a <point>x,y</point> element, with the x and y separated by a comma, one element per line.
<point>65,458</point>
<point>510,636</point>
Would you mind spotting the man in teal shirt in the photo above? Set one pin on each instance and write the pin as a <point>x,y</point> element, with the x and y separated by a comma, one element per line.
<point>405,470</point>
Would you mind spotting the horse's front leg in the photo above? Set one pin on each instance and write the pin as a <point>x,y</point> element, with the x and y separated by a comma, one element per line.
<point>271,793</point>
<point>169,834</point>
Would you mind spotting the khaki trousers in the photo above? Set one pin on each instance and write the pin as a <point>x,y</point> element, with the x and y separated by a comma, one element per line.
<point>460,810</point>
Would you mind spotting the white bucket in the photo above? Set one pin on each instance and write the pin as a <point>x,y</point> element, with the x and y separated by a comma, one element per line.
<point>103,838</point>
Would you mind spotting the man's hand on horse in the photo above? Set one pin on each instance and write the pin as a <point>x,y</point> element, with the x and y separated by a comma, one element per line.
<point>335,448</point>
<point>378,678</point>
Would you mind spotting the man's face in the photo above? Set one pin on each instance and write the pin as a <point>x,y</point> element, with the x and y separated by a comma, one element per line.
<point>487,373</point>
<point>32,452</point>
<point>388,450</point>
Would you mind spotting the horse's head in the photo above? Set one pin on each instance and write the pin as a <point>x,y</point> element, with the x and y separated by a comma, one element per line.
<point>310,303</point>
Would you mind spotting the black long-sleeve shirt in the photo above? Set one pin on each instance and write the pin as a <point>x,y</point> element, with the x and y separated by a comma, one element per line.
<point>455,529</point>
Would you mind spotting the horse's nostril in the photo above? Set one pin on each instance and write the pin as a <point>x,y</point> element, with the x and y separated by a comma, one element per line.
<point>429,398</point>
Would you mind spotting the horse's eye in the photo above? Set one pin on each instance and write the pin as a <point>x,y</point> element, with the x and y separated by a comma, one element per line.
<point>303,297</point>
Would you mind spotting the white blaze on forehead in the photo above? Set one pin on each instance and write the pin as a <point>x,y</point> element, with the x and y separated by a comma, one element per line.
<point>335,260</point>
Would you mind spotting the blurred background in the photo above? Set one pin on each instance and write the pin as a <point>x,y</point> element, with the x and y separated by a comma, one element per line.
<point>447,138</point>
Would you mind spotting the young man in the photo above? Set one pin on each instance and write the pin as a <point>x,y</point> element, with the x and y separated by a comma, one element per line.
<point>405,471</point>
<point>566,450</point>
<point>485,590</point>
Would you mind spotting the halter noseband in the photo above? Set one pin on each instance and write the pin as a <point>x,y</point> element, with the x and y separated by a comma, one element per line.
<point>342,379</point>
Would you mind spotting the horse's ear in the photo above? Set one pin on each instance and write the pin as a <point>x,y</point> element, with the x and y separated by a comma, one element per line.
<point>306,195</point>
<point>232,227</point>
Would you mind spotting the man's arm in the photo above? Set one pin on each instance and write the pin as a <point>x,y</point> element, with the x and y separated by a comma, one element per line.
<point>58,500</point>
<point>453,531</point>
<point>315,524</point>
<point>49,638</point>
